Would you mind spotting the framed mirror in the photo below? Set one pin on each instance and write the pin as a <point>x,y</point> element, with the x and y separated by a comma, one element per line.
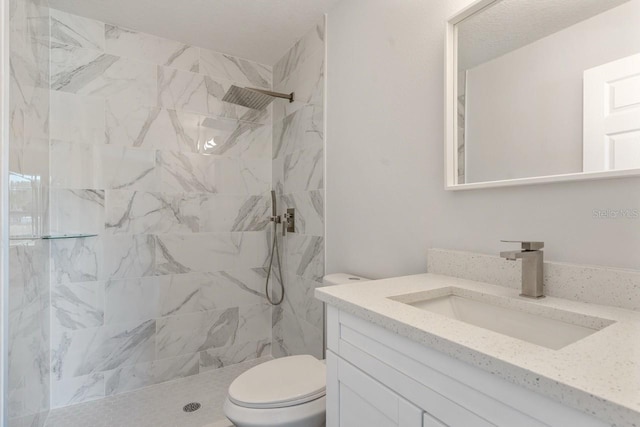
<point>542,91</point>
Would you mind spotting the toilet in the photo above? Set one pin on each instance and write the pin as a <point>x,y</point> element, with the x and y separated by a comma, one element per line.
<point>285,392</point>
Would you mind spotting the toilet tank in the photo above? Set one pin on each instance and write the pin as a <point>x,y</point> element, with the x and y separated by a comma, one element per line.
<point>342,279</point>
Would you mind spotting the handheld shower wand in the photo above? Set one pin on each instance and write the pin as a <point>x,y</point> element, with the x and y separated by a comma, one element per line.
<point>275,218</point>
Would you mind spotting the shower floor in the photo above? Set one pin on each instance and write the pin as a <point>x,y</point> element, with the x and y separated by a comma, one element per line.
<point>159,405</point>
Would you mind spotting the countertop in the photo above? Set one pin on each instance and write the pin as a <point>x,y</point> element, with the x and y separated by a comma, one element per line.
<point>599,374</point>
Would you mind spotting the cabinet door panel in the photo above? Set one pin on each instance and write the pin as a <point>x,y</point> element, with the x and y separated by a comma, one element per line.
<point>355,411</point>
<point>366,402</point>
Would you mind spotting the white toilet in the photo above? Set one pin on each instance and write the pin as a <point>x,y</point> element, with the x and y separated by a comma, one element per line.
<point>285,392</point>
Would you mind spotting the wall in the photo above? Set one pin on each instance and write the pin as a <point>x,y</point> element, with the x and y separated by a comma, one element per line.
<point>385,200</point>
<point>544,79</point>
<point>28,358</point>
<point>298,179</point>
<point>175,184</point>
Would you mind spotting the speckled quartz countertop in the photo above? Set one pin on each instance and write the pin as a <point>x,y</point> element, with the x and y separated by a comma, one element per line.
<point>599,374</point>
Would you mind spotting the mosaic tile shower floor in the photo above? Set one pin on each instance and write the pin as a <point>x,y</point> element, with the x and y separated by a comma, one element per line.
<point>159,405</point>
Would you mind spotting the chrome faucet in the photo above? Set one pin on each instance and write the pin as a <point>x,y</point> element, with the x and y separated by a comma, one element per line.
<point>532,267</point>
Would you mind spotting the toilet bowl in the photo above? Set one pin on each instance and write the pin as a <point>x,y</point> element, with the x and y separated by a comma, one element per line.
<point>285,392</point>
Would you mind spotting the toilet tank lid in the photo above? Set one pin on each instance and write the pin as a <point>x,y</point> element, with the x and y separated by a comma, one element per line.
<point>343,279</point>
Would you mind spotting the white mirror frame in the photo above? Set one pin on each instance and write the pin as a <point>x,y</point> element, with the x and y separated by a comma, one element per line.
<point>451,130</point>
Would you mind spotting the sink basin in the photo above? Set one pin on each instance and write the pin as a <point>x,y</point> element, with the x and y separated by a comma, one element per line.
<point>547,327</point>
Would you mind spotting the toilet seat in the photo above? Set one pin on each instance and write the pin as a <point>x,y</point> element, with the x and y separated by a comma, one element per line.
<point>280,383</point>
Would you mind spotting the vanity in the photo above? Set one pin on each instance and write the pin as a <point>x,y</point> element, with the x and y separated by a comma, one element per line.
<point>536,93</point>
<point>432,350</point>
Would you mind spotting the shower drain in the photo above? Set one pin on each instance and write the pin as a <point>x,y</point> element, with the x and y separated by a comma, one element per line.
<point>191,407</point>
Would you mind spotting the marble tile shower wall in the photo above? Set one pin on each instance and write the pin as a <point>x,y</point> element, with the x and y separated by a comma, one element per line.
<point>28,358</point>
<point>298,178</point>
<point>175,183</point>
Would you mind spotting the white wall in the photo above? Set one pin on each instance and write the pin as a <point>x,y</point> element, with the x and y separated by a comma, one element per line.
<point>541,83</point>
<point>385,199</point>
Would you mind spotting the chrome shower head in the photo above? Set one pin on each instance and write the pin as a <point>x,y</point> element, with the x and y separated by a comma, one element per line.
<point>257,99</point>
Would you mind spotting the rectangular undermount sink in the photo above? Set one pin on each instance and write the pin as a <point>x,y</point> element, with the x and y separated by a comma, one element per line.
<point>528,321</point>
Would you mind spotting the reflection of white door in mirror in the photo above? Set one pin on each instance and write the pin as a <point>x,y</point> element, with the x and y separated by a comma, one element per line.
<point>612,116</point>
<point>525,104</point>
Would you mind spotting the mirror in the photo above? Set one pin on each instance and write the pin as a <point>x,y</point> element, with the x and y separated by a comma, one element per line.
<point>542,91</point>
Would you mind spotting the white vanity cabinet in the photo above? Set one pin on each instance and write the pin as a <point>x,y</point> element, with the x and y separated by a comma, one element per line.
<point>376,378</point>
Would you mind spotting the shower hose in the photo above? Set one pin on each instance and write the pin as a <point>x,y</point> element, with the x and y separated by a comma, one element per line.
<point>276,251</point>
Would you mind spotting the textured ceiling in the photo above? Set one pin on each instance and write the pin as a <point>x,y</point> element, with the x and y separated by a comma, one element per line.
<point>510,24</point>
<point>260,30</point>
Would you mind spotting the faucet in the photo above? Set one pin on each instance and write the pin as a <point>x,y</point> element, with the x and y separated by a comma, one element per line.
<point>532,267</point>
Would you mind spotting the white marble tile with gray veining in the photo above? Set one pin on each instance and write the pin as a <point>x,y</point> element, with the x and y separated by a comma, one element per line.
<point>77,305</point>
<point>303,170</point>
<point>299,299</point>
<point>85,351</point>
<point>210,252</point>
<point>307,45</point>
<point>29,268</point>
<point>197,292</point>
<point>242,176</point>
<point>102,167</point>
<point>132,300</point>
<point>76,260</point>
<point>232,138</point>
<point>128,256</point>
<point>30,160</point>
<point>89,72</point>
<point>83,174</point>
<point>133,377</point>
<point>121,168</point>
<point>304,256</point>
<point>303,129</point>
<point>254,323</point>
<point>77,118</point>
<point>306,81</point>
<point>216,358</point>
<point>277,175</point>
<point>185,334</point>
<point>221,212</point>
<point>309,206</point>
<point>186,172</point>
<point>28,351</point>
<point>139,212</point>
<point>145,47</point>
<point>238,70</point>
<point>191,333</point>
<point>70,391</point>
<point>76,211</point>
<point>151,127</point>
<point>292,335</point>
<point>181,90</point>
<point>73,30</point>
<point>132,125</point>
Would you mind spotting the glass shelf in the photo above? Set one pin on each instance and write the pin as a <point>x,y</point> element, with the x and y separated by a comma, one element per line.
<point>52,237</point>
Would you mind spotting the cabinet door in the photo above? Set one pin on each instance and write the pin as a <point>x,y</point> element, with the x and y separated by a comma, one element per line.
<point>364,401</point>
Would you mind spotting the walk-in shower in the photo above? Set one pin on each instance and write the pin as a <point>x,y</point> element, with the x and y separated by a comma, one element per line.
<point>171,198</point>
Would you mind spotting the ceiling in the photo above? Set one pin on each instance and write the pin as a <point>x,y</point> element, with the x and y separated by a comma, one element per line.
<point>507,25</point>
<point>260,30</point>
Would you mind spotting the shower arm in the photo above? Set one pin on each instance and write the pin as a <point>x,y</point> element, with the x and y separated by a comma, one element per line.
<point>274,94</point>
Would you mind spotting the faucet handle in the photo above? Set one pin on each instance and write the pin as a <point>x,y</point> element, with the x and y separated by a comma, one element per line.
<point>527,246</point>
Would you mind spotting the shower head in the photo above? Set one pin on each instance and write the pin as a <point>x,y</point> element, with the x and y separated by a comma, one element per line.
<point>257,99</point>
